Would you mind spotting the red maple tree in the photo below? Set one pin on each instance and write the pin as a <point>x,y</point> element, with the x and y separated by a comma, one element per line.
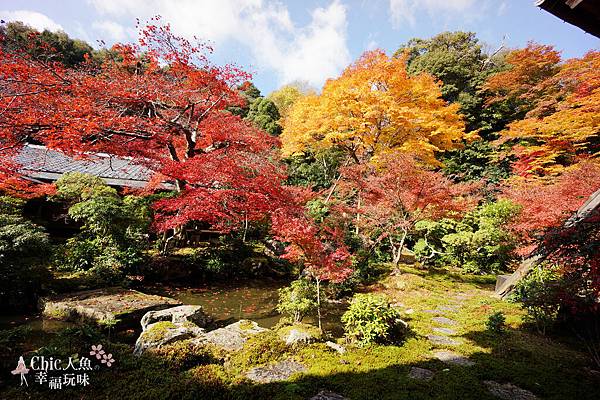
<point>160,102</point>
<point>387,201</point>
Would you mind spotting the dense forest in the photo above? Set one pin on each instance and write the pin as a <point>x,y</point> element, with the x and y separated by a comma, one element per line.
<point>446,158</point>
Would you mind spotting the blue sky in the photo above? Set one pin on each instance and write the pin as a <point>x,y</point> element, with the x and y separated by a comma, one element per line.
<point>311,40</point>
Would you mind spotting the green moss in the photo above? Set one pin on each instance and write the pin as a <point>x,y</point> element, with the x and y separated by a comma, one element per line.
<point>184,354</point>
<point>182,371</point>
<point>158,330</point>
<point>311,330</point>
<point>246,325</point>
<point>58,313</point>
<point>259,349</point>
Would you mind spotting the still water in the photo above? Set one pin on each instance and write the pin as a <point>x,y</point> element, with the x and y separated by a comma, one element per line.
<point>248,299</point>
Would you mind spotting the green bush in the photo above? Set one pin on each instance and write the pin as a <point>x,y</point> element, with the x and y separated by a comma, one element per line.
<point>478,243</point>
<point>23,247</point>
<point>113,228</point>
<point>298,299</point>
<point>371,319</point>
<point>538,293</point>
<point>496,322</point>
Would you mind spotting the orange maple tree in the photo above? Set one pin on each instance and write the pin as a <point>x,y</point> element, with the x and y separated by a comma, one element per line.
<point>375,108</point>
<point>562,103</point>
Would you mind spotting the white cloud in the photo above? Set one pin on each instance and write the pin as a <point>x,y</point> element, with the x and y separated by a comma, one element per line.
<point>114,30</point>
<point>404,10</point>
<point>32,18</point>
<point>313,52</point>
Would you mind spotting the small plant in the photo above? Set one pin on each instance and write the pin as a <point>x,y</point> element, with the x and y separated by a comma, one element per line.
<point>496,322</point>
<point>371,319</point>
<point>538,294</point>
<point>297,300</point>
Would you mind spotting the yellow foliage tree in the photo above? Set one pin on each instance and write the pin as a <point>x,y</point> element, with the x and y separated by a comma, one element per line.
<point>375,108</point>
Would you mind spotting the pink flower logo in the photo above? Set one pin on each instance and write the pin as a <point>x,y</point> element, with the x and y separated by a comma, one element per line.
<point>107,359</point>
<point>97,351</point>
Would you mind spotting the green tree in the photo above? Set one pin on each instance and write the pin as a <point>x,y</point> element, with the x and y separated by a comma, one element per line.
<point>285,97</point>
<point>113,228</point>
<point>477,160</point>
<point>317,170</point>
<point>264,114</point>
<point>249,93</point>
<point>23,246</point>
<point>458,60</point>
<point>477,243</point>
<point>56,45</point>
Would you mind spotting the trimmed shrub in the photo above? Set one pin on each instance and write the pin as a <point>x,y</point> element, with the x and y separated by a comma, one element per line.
<point>371,319</point>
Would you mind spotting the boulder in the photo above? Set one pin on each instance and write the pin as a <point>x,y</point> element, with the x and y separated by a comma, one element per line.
<point>276,372</point>
<point>124,306</point>
<point>232,337</point>
<point>177,315</point>
<point>162,333</point>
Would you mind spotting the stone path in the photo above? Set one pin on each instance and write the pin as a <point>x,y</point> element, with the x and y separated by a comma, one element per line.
<point>444,331</point>
<point>450,357</point>
<point>444,321</point>
<point>443,340</point>
<point>441,337</point>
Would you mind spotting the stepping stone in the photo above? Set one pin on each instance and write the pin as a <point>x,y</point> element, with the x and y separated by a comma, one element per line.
<point>508,391</point>
<point>337,347</point>
<point>327,395</point>
<point>443,340</point>
<point>463,296</point>
<point>444,331</point>
<point>444,321</point>
<point>450,357</point>
<point>421,374</point>
<point>431,311</point>
<point>275,372</point>
<point>447,308</point>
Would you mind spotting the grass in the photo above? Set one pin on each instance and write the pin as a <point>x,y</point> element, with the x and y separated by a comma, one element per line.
<point>545,366</point>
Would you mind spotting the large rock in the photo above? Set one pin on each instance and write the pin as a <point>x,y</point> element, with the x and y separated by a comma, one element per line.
<point>109,304</point>
<point>276,372</point>
<point>162,333</point>
<point>177,315</point>
<point>232,337</point>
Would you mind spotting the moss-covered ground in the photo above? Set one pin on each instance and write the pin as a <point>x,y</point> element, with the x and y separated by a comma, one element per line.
<point>550,367</point>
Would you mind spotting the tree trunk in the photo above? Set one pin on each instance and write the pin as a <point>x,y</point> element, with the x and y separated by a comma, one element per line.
<point>357,214</point>
<point>319,303</point>
<point>400,248</point>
